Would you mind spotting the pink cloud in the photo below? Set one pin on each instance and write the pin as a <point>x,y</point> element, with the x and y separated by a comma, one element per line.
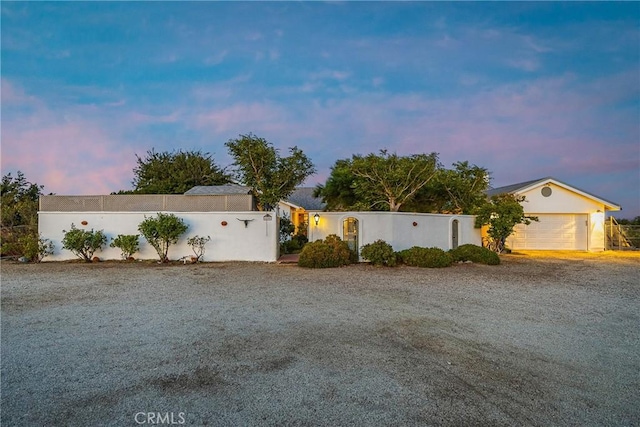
<point>66,155</point>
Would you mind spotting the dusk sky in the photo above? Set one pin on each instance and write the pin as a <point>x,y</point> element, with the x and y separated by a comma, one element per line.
<point>526,90</point>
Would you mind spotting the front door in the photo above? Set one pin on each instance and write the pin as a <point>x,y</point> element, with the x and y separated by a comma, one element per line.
<point>350,233</point>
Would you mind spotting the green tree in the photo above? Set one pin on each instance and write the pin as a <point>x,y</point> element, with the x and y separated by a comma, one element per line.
<point>377,181</point>
<point>502,213</point>
<point>162,231</point>
<point>271,177</point>
<point>83,243</point>
<point>175,172</point>
<point>338,191</point>
<point>460,190</point>
<point>19,212</point>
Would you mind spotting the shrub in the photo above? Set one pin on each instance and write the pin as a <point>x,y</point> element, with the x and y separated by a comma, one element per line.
<point>294,245</point>
<point>332,252</point>
<point>35,248</point>
<point>162,231</point>
<point>83,243</point>
<point>476,254</point>
<point>379,253</point>
<point>197,244</point>
<point>128,244</point>
<point>425,257</point>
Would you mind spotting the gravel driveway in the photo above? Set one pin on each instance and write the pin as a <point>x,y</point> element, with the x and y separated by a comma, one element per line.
<point>534,341</point>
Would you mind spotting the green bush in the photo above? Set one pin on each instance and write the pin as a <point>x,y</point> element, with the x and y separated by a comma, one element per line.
<point>35,248</point>
<point>332,252</point>
<point>162,231</point>
<point>379,253</point>
<point>425,257</point>
<point>476,254</point>
<point>197,245</point>
<point>83,243</point>
<point>294,245</point>
<point>128,244</point>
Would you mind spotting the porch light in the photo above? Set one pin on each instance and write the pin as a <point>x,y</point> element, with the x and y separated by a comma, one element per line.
<point>316,218</point>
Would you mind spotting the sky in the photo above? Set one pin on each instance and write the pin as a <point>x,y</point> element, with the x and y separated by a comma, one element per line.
<point>524,89</point>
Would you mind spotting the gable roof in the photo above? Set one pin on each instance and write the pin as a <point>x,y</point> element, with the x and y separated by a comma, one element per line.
<point>217,190</point>
<point>303,197</point>
<point>528,185</point>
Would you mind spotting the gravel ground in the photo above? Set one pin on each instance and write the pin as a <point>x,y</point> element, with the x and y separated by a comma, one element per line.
<point>538,340</point>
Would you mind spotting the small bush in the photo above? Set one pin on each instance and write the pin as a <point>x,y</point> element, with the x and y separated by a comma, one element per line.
<point>380,253</point>
<point>35,248</point>
<point>425,257</point>
<point>197,245</point>
<point>294,245</point>
<point>475,254</point>
<point>128,244</point>
<point>332,252</point>
<point>83,243</point>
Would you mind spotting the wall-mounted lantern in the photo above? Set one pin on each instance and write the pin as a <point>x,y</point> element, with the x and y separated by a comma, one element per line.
<point>415,224</point>
<point>316,218</point>
<point>84,222</point>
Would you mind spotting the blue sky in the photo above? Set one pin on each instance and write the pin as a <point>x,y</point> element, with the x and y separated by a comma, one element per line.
<point>526,90</point>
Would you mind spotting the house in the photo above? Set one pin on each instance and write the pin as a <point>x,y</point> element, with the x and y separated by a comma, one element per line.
<point>401,230</point>
<point>569,218</point>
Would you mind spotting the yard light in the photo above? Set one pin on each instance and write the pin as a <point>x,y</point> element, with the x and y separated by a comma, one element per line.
<point>316,218</point>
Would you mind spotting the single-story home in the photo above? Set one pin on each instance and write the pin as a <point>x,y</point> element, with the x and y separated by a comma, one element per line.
<point>568,218</point>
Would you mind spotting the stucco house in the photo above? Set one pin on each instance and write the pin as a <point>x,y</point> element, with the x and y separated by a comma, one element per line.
<point>569,218</point>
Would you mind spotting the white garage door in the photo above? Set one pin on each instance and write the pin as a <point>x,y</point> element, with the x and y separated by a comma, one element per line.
<point>553,231</point>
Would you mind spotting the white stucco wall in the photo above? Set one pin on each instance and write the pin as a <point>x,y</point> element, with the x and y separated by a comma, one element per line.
<point>397,229</point>
<point>258,241</point>
<point>561,200</point>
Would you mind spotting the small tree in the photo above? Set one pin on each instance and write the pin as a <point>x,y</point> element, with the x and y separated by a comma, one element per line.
<point>128,244</point>
<point>83,243</point>
<point>502,213</point>
<point>162,231</point>
<point>197,244</point>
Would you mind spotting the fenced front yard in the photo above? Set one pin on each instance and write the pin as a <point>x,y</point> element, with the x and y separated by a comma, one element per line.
<point>533,341</point>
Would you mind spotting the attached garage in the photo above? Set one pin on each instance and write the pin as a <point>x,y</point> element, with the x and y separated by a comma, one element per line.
<point>553,231</point>
<point>569,218</point>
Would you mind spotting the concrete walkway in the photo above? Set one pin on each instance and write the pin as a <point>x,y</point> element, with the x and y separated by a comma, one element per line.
<point>289,259</point>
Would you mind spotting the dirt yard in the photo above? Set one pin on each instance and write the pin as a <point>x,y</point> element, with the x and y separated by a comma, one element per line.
<point>542,339</point>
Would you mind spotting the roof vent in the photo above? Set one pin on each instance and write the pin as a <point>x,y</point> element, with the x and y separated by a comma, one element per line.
<point>546,191</point>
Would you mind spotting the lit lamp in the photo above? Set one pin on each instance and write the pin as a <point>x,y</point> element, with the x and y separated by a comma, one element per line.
<point>316,218</point>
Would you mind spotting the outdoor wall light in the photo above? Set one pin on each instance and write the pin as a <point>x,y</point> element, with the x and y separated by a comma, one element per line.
<point>316,218</point>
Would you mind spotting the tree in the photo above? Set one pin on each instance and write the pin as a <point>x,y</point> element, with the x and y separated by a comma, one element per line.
<point>338,192</point>
<point>19,212</point>
<point>162,231</point>
<point>259,166</point>
<point>502,213</point>
<point>175,172</point>
<point>377,181</point>
<point>460,190</point>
